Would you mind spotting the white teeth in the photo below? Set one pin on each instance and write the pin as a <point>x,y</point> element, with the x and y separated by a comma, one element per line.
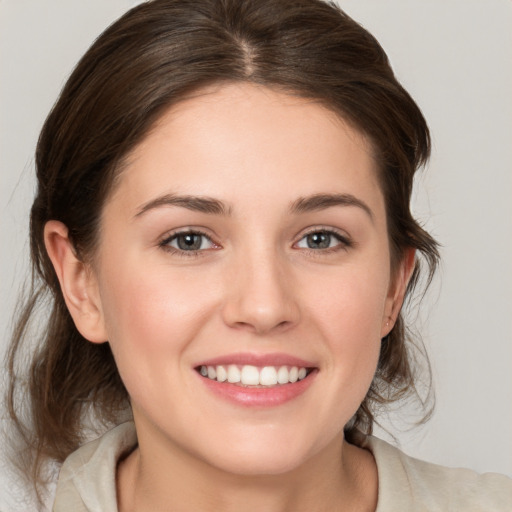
<point>268,376</point>
<point>250,375</point>
<point>222,374</point>
<point>283,375</point>
<point>233,374</point>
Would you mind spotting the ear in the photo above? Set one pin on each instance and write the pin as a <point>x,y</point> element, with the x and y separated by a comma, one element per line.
<point>77,282</point>
<point>397,289</point>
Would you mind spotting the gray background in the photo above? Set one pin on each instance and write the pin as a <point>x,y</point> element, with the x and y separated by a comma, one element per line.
<point>454,57</point>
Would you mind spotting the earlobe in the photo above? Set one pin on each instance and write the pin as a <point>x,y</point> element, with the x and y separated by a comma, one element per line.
<point>77,282</point>
<point>397,291</point>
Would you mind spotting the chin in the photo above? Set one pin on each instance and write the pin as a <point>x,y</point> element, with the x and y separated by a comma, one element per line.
<point>260,453</point>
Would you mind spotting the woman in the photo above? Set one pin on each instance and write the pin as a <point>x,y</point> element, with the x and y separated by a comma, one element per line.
<point>223,221</point>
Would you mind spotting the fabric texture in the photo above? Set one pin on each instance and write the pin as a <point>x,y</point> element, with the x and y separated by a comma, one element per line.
<point>87,480</point>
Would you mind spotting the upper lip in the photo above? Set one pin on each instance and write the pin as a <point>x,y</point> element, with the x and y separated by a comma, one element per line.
<point>254,359</point>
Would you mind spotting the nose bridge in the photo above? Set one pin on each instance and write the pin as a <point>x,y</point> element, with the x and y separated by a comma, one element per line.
<point>260,294</point>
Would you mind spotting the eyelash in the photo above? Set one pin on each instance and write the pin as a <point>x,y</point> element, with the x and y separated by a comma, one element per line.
<point>165,243</point>
<point>344,242</point>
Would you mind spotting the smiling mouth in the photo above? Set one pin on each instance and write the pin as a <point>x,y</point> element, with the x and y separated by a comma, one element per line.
<point>254,376</point>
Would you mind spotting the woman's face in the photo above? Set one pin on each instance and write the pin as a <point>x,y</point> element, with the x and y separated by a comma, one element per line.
<point>247,235</point>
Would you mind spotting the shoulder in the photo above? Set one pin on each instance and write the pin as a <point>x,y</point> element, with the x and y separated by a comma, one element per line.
<point>411,485</point>
<point>87,479</point>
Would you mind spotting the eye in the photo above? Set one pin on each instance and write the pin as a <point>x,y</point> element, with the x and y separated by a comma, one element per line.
<point>322,239</point>
<point>188,241</point>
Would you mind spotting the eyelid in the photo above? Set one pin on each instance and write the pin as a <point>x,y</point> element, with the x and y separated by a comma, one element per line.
<point>344,239</point>
<point>164,241</point>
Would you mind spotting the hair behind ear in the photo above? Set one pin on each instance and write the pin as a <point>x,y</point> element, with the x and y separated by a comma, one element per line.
<point>49,426</point>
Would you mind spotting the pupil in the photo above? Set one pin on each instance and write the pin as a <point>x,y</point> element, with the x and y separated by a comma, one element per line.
<point>189,242</point>
<point>319,240</point>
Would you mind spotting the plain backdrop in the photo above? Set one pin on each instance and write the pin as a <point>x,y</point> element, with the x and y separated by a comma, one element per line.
<point>454,57</point>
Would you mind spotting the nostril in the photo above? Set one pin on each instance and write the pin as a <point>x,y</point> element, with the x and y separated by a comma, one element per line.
<point>260,304</point>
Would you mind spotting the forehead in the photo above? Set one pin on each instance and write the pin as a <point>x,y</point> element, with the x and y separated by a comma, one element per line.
<point>244,141</point>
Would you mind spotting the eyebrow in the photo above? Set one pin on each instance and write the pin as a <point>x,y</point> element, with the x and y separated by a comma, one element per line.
<point>213,206</point>
<point>323,201</point>
<point>195,203</point>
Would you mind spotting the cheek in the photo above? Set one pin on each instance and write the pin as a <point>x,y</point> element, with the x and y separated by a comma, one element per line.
<point>353,302</point>
<point>149,309</point>
<point>349,315</point>
<point>152,315</point>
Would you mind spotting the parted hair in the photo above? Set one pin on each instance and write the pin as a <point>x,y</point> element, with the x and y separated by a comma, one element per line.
<point>154,56</point>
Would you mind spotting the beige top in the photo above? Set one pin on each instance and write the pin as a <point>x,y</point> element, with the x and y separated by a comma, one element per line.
<point>87,480</point>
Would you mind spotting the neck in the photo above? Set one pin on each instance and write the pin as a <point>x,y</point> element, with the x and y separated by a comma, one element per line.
<point>341,477</point>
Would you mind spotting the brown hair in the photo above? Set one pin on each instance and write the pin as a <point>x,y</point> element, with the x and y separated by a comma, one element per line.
<point>154,56</point>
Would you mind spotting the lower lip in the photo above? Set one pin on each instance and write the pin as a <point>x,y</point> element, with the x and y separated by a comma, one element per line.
<point>259,397</point>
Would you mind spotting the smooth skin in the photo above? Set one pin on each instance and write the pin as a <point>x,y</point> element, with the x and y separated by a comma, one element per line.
<point>248,221</point>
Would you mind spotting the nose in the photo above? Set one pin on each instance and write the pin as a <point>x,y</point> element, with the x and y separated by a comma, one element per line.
<point>261,296</point>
